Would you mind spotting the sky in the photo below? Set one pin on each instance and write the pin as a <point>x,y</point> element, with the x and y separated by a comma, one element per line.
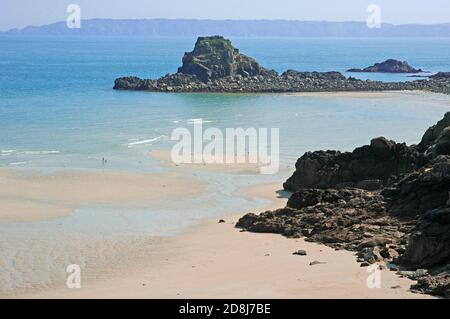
<point>21,13</point>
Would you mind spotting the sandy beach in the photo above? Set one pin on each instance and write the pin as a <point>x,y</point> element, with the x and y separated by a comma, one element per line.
<point>28,196</point>
<point>216,260</point>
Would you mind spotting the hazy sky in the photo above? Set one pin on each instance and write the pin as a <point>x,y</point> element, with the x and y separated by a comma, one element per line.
<point>20,13</point>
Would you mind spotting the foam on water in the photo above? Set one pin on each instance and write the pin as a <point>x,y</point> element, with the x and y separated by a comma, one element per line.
<point>148,141</point>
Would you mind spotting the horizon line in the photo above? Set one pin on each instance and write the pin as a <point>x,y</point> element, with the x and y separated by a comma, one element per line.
<point>220,20</point>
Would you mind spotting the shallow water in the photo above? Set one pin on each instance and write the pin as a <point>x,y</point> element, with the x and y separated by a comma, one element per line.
<point>58,111</point>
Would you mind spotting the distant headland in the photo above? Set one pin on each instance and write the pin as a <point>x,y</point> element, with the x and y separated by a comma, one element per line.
<point>234,28</point>
<point>215,65</point>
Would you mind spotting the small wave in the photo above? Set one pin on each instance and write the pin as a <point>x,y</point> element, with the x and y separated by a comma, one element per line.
<point>17,163</point>
<point>197,121</point>
<point>38,152</point>
<point>7,152</point>
<point>142,142</point>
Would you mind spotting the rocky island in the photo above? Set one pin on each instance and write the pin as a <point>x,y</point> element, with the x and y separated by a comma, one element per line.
<point>389,66</point>
<point>215,65</point>
<point>386,201</point>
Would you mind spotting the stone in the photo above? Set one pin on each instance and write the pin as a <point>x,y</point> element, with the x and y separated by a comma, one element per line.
<point>375,241</point>
<point>315,262</point>
<point>392,267</point>
<point>365,264</point>
<point>300,252</point>
<point>389,253</point>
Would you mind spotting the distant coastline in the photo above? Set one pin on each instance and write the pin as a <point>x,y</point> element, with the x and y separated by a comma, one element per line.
<point>233,28</point>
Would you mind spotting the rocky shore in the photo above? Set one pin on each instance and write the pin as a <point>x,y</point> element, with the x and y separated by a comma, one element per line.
<point>386,201</point>
<point>216,66</point>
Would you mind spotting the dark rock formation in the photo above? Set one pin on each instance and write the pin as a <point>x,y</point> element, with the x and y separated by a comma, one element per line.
<point>216,66</point>
<point>389,66</point>
<point>420,190</point>
<point>215,57</point>
<point>343,219</point>
<point>433,133</point>
<point>405,223</point>
<point>437,284</point>
<point>441,76</point>
<point>368,167</point>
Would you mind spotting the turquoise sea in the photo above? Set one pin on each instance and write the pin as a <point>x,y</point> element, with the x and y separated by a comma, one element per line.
<point>57,107</point>
<point>58,111</point>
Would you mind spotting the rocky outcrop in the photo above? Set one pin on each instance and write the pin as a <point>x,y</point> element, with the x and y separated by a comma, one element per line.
<point>215,65</point>
<point>343,219</point>
<point>367,167</point>
<point>421,190</point>
<point>434,133</point>
<point>389,66</point>
<point>404,224</point>
<point>437,284</point>
<point>215,57</point>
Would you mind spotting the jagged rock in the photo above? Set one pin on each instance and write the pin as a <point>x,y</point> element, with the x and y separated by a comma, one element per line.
<point>389,66</point>
<point>433,133</point>
<point>429,244</point>
<point>421,190</point>
<point>215,57</point>
<point>438,284</point>
<point>377,162</point>
<point>338,218</point>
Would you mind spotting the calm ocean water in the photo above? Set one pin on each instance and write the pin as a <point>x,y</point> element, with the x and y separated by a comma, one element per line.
<point>58,110</point>
<point>57,107</point>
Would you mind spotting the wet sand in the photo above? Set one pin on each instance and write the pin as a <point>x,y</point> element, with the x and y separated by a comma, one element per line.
<point>27,196</point>
<point>216,260</point>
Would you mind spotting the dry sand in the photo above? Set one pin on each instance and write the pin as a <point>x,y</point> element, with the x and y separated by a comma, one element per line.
<point>215,260</point>
<point>26,196</point>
